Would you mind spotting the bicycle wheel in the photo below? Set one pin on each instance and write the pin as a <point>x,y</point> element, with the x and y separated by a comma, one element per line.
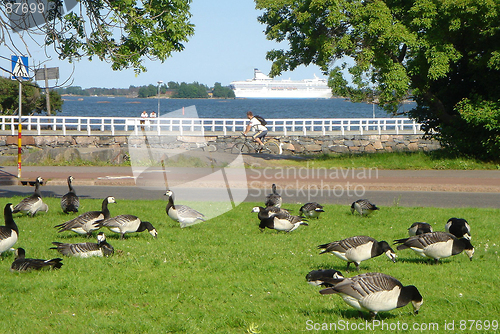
<point>272,147</point>
<point>240,148</point>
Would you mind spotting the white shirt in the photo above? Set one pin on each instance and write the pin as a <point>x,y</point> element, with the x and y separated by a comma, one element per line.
<point>255,123</point>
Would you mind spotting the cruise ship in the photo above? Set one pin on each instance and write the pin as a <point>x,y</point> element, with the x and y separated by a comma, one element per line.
<point>262,87</point>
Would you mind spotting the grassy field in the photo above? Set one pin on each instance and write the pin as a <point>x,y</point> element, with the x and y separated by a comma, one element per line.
<point>225,276</point>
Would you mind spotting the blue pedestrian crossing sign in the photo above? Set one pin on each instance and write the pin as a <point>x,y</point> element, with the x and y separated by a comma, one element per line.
<point>19,68</point>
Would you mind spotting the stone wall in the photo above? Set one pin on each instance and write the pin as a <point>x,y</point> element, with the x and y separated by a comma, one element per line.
<point>115,148</point>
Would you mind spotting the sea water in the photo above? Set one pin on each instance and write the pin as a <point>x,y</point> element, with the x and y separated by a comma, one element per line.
<point>100,106</point>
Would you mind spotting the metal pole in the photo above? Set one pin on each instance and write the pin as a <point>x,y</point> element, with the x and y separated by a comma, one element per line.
<point>47,94</point>
<point>159,83</point>
<point>20,127</point>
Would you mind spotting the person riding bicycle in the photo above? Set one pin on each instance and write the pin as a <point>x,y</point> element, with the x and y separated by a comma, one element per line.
<point>258,127</point>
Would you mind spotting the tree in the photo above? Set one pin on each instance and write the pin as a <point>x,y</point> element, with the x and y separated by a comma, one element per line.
<point>147,91</point>
<point>122,32</point>
<point>446,53</point>
<point>191,91</point>
<point>222,92</point>
<point>32,101</point>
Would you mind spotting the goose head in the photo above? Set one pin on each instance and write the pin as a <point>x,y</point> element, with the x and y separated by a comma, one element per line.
<point>111,199</point>
<point>388,251</point>
<point>101,237</point>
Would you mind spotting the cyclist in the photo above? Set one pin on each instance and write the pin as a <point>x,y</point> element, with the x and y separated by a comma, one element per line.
<point>260,130</point>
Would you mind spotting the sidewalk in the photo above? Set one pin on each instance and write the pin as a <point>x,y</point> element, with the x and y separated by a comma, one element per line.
<point>371,179</point>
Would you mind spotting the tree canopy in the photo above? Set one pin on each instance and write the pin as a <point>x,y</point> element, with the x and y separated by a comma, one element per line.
<point>445,54</point>
<point>122,32</point>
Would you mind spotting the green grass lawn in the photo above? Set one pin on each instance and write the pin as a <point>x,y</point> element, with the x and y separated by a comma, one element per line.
<point>225,276</point>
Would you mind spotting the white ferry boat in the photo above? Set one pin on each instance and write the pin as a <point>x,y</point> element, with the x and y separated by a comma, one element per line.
<point>262,86</point>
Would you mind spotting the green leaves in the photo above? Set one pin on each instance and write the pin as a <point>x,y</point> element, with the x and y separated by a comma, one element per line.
<point>123,32</point>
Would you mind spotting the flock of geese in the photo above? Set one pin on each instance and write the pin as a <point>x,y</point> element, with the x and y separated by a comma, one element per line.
<point>84,224</point>
<point>373,292</point>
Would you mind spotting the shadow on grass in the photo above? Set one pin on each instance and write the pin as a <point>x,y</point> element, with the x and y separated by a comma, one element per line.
<point>343,311</point>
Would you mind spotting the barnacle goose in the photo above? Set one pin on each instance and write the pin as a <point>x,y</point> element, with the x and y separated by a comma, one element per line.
<point>311,210</point>
<point>127,224</point>
<point>363,207</point>
<point>10,232</point>
<point>34,203</point>
<point>70,201</point>
<point>278,219</point>
<point>436,245</point>
<point>376,292</point>
<point>357,249</point>
<point>21,263</point>
<point>182,213</point>
<point>458,227</point>
<point>324,277</point>
<point>86,249</point>
<point>273,199</point>
<point>419,228</point>
<point>86,222</point>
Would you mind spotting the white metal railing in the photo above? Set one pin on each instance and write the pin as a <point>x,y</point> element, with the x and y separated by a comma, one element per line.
<point>59,125</point>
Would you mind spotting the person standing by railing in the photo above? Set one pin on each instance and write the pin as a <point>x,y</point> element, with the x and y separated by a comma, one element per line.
<point>152,115</point>
<point>258,127</point>
<point>144,117</point>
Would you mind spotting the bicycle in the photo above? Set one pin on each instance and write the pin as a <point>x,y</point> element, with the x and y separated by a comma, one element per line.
<point>248,146</point>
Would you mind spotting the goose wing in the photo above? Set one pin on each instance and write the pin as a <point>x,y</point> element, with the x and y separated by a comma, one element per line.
<point>81,220</point>
<point>72,249</point>
<point>120,221</point>
<point>345,244</point>
<point>423,240</point>
<point>27,203</point>
<point>187,212</point>
<point>35,264</point>
<point>70,202</point>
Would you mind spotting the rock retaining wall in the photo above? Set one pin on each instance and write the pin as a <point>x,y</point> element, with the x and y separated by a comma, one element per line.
<point>115,148</point>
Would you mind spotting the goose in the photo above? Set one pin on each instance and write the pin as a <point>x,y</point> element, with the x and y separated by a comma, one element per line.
<point>419,228</point>
<point>34,203</point>
<point>278,219</point>
<point>86,249</point>
<point>436,245</point>
<point>22,264</point>
<point>85,223</point>
<point>357,249</point>
<point>458,227</point>
<point>273,199</point>
<point>311,210</point>
<point>376,292</point>
<point>127,224</point>
<point>10,232</point>
<point>182,213</point>
<point>363,207</point>
<point>324,277</point>
<point>70,201</point>
<point>268,213</point>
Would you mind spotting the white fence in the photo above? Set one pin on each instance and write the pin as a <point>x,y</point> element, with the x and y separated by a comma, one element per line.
<point>58,125</point>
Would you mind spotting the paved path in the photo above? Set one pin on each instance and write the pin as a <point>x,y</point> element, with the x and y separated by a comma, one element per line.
<point>385,187</point>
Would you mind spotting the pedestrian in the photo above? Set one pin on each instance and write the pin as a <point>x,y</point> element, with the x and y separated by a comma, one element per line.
<point>260,129</point>
<point>144,116</point>
<point>152,115</point>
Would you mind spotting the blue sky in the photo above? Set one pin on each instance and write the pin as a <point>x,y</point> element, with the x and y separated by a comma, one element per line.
<point>227,45</point>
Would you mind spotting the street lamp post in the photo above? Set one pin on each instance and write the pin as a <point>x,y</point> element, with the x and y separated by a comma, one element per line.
<point>159,83</point>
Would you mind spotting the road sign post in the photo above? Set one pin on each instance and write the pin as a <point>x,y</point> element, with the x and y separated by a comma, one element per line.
<point>19,73</point>
<point>47,74</point>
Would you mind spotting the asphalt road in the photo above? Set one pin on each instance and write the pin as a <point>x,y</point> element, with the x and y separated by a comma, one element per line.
<point>434,188</point>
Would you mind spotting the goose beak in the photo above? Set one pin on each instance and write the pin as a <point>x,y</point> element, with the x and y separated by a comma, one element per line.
<point>391,255</point>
